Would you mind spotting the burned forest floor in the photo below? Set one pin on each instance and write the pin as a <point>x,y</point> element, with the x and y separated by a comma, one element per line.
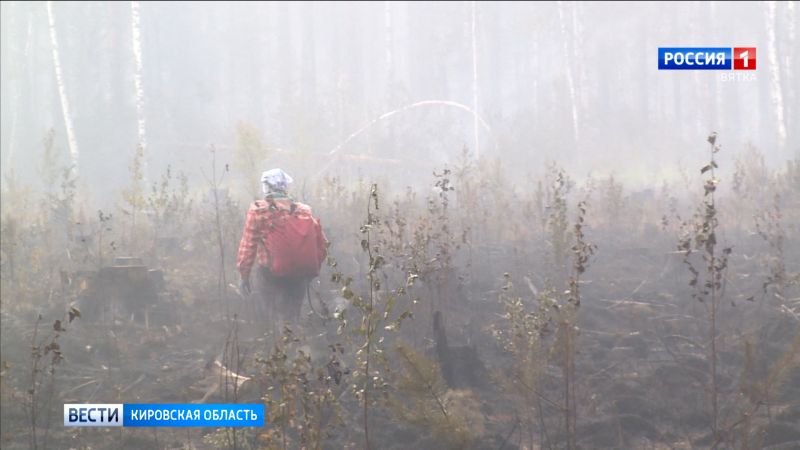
<point>484,315</point>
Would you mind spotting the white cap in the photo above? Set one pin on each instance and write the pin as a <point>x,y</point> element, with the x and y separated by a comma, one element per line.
<point>275,180</point>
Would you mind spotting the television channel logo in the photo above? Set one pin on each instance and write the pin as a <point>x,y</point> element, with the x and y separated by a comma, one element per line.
<point>744,58</point>
<point>706,58</point>
<point>93,415</point>
<point>163,415</point>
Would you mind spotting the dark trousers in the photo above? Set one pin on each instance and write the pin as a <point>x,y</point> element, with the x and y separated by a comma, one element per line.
<point>281,296</point>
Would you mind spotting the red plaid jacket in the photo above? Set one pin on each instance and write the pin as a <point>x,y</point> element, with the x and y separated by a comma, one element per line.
<point>252,244</point>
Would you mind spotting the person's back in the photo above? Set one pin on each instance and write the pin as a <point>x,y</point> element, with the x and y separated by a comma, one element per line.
<point>287,241</point>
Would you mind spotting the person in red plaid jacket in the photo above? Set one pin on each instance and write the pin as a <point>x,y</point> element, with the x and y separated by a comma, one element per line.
<point>284,293</point>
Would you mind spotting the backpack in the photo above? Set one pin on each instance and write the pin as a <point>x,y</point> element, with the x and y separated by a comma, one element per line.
<point>294,242</point>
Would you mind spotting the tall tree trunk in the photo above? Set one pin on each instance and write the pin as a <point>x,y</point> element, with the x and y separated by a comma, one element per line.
<point>309,57</point>
<point>388,93</point>
<point>577,52</point>
<point>532,62</point>
<point>137,80</point>
<point>19,79</point>
<point>645,88</point>
<point>570,73</point>
<point>285,66</point>
<point>388,42</point>
<point>775,79</point>
<point>62,91</point>
<point>702,90</point>
<point>717,114</point>
<point>475,80</point>
<point>340,70</point>
<point>789,59</point>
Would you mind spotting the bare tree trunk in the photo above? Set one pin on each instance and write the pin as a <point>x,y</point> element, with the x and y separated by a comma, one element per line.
<point>309,65</point>
<point>532,62</point>
<point>717,114</point>
<point>775,79</point>
<point>570,73</point>
<point>678,84</point>
<point>581,76</point>
<point>137,80</point>
<point>644,87</point>
<point>788,61</point>
<point>62,91</point>
<point>388,41</point>
<point>388,93</point>
<point>341,120</point>
<point>475,80</point>
<point>696,108</point>
<point>17,89</point>
<point>13,132</point>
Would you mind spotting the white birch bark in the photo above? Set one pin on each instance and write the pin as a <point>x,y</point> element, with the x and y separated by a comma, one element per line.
<point>570,74</point>
<point>788,63</point>
<point>475,80</point>
<point>137,80</point>
<point>388,39</point>
<point>775,75</point>
<point>581,78</point>
<point>62,91</point>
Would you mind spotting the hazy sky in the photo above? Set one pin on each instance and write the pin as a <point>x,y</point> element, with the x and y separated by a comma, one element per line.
<point>572,82</point>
